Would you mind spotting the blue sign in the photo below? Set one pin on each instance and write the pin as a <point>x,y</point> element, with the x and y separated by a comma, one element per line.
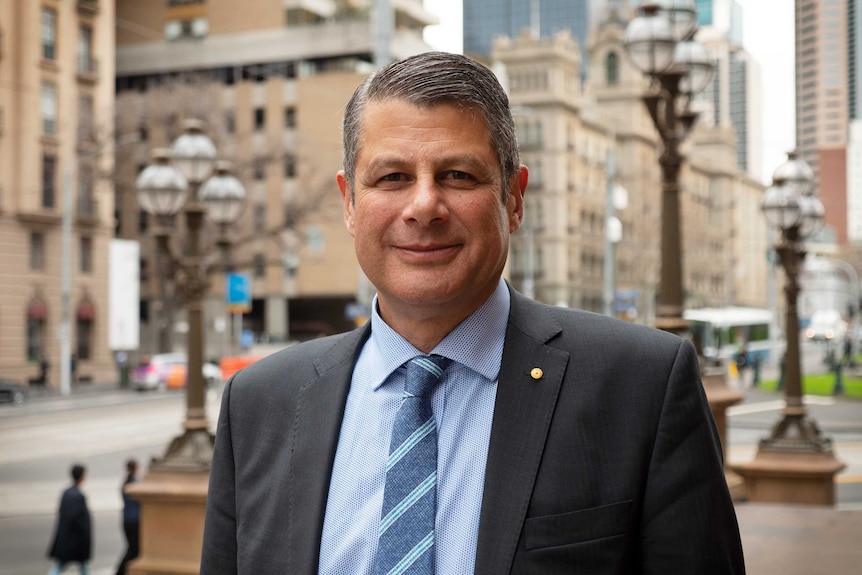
<point>238,292</point>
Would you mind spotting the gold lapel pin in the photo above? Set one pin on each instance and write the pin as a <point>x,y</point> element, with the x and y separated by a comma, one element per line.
<point>536,373</point>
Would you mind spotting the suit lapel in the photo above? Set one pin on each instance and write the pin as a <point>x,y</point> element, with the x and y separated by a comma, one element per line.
<point>522,415</point>
<point>319,410</point>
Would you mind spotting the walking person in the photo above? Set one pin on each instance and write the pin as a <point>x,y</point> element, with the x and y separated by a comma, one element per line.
<point>131,518</point>
<point>73,534</point>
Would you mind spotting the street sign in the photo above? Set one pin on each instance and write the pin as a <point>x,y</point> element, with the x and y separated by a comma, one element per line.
<point>238,292</point>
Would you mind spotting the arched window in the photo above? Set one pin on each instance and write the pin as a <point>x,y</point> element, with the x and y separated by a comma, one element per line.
<point>612,69</point>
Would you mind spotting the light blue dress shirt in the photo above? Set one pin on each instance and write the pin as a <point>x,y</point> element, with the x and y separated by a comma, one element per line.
<point>463,404</point>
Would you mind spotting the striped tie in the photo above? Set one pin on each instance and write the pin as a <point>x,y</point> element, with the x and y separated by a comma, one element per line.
<point>406,543</point>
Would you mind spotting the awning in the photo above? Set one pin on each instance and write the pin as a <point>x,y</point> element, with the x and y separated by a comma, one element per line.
<point>37,309</point>
<point>86,311</point>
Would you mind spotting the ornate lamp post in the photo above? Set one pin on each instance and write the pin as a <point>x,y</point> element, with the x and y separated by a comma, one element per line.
<point>173,494</point>
<point>180,180</point>
<point>660,43</point>
<point>795,464</point>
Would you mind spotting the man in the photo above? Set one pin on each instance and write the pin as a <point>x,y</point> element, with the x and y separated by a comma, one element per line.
<point>72,542</point>
<point>565,441</point>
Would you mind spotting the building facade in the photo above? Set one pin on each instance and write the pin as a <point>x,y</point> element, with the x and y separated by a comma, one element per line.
<point>567,136</point>
<point>56,107</point>
<point>271,84</point>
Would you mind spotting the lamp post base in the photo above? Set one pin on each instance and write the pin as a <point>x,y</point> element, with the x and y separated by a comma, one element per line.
<point>795,464</point>
<point>720,396</point>
<point>173,506</point>
<point>190,452</point>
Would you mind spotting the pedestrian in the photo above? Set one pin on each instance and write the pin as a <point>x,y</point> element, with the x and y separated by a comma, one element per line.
<point>465,428</point>
<point>73,368</point>
<point>743,367</point>
<point>131,517</point>
<point>44,366</point>
<point>72,542</point>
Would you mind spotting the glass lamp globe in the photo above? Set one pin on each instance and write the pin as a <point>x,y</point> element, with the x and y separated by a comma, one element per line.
<point>162,190</point>
<point>781,207</point>
<point>698,61</point>
<point>193,153</point>
<point>795,173</point>
<point>650,41</point>
<point>811,216</point>
<point>224,195</point>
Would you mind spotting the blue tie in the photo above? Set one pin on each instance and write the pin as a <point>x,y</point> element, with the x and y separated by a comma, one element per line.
<point>406,543</point>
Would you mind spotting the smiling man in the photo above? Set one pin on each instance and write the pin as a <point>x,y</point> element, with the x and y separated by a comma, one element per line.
<point>465,428</point>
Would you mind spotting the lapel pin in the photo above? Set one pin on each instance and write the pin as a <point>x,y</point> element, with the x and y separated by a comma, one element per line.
<point>536,373</point>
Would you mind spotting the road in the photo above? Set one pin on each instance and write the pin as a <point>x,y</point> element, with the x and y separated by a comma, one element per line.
<point>104,428</point>
<point>40,442</point>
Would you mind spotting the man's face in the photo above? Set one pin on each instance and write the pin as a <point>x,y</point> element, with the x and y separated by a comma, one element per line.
<point>430,229</point>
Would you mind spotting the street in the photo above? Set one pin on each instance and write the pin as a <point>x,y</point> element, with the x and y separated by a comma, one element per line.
<point>41,440</point>
<point>102,427</point>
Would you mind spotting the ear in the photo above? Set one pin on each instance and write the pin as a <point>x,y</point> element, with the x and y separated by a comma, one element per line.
<point>515,203</point>
<point>344,186</point>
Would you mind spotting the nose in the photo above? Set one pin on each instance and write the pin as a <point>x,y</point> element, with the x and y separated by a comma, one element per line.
<point>426,203</point>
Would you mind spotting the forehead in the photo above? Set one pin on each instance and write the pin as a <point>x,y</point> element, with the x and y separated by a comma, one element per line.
<point>392,120</point>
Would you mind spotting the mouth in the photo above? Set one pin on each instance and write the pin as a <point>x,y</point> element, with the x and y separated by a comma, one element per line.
<point>428,252</point>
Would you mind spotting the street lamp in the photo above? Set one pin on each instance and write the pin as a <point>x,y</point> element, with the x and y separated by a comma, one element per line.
<point>660,43</point>
<point>177,181</point>
<point>796,463</point>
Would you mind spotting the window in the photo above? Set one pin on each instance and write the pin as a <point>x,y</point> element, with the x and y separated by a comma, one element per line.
<point>85,119</point>
<point>290,117</point>
<point>37,251</point>
<point>49,176</point>
<point>49,34</point>
<point>229,122</point>
<point>259,118</point>
<point>290,166</point>
<point>86,203</point>
<point>259,265</point>
<point>86,255</point>
<point>83,338</point>
<point>612,69</point>
<point>260,216</point>
<point>35,338</point>
<point>49,108</point>
<point>85,50</point>
<point>259,169</point>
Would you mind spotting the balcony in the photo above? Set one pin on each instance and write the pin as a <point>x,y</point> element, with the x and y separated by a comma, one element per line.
<point>88,69</point>
<point>88,7</point>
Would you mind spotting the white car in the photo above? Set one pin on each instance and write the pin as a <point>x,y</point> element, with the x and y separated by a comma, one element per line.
<point>169,370</point>
<point>826,325</point>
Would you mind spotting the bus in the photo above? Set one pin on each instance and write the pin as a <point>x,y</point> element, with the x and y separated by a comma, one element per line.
<point>720,332</point>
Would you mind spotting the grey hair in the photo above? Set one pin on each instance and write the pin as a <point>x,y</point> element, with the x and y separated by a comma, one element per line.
<point>428,80</point>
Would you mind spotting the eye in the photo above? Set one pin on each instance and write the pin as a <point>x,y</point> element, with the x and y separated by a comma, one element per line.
<point>395,177</point>
<point>457,175</point>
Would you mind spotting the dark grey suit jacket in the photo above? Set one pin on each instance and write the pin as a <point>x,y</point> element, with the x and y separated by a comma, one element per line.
<point>610,463</point>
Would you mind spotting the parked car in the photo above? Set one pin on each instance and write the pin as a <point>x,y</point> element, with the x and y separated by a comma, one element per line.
<point>11,392</point>
<point>826,325</point>
<point>169,370</point>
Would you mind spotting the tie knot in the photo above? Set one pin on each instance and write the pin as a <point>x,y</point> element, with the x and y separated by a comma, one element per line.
<point>423,373</point>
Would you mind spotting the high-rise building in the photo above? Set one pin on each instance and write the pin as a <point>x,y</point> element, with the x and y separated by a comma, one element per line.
<point>56,107</point>
<point>823,99</point>
<point>485,20</point>
<point>270,79</point>
<point>723,15</point>
<point>733,98</point>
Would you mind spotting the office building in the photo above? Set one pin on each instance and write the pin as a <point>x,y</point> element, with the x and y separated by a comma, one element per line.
<point>823,99</point>
<point>56,109</point>
<point>270,78</point>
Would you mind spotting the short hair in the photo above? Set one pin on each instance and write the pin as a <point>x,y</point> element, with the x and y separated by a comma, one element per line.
<point>431,79</point>
<point>132,465</point>
<point>77,472</point>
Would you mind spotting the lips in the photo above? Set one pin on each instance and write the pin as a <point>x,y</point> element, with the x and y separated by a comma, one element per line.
<point>428,251</point>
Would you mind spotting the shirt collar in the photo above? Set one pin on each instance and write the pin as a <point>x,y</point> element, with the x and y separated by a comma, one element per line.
<point>477,342</point>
